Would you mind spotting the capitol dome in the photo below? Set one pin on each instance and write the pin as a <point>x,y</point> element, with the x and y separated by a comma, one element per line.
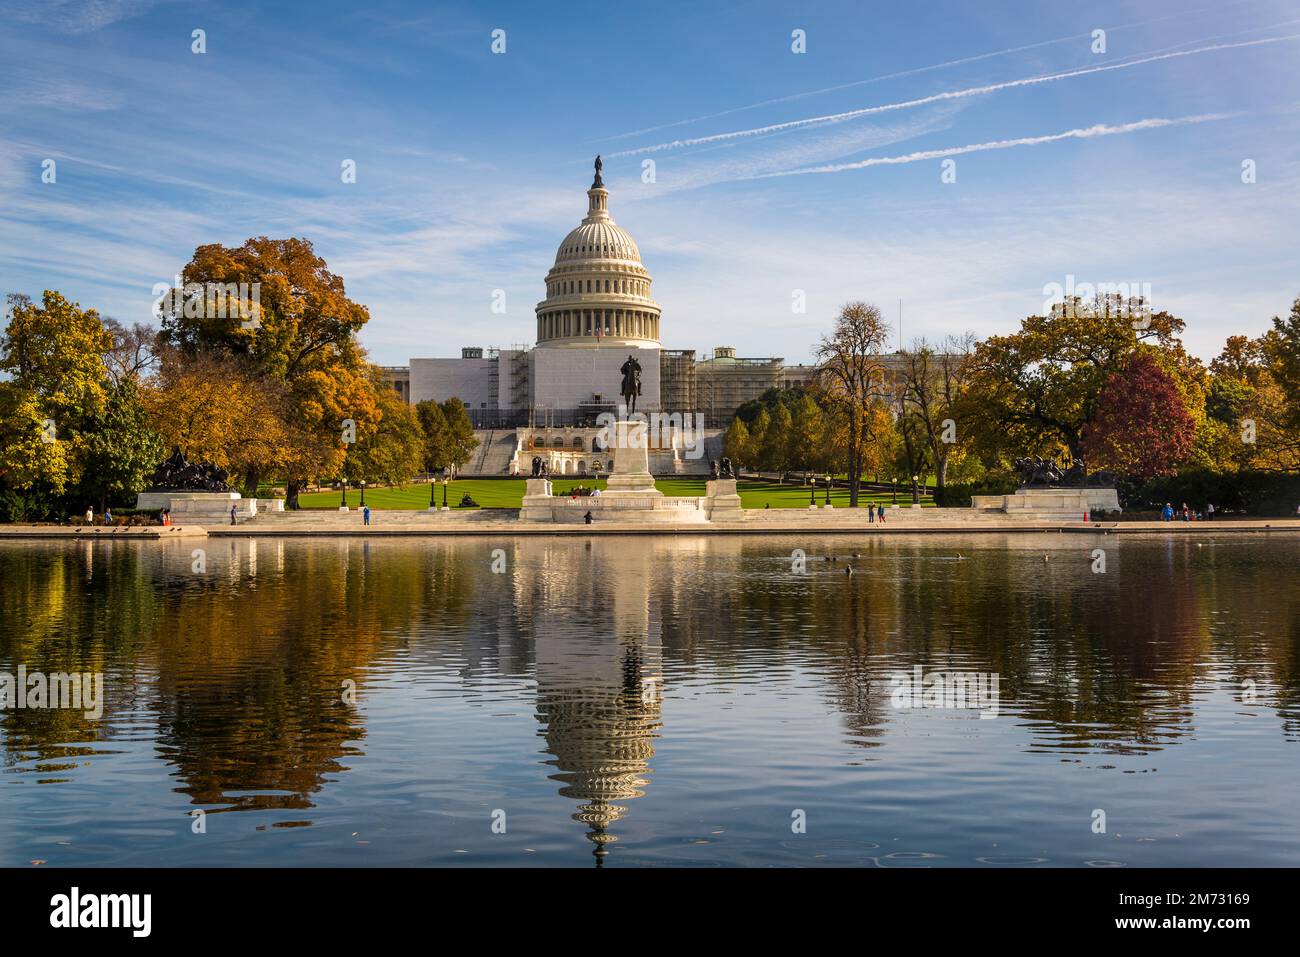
<point>598,290</point>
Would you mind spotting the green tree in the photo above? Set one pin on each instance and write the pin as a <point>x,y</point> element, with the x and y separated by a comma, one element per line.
<point>758,430</point>
<point>778,440</point>
<point>433,423</point>
<point>122,448</point>
<point>808,443</point>
<point>459,436</point>
<point>735,444</point>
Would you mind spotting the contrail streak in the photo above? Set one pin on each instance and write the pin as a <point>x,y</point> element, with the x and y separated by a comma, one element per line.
<point>950,95</point>
<point>932,67</point>
<point>1082,133</point>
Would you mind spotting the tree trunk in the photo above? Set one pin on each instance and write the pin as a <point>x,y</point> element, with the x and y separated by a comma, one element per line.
<point>855,457</point>
<point>251,481</point>
<point>291,496</point>
<point>853,476</point>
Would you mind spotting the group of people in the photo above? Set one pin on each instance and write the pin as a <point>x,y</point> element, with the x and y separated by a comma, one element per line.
<point>581,491</point>
<point>90,516</point>
<point>875,513</point>
<point>1186,514</point>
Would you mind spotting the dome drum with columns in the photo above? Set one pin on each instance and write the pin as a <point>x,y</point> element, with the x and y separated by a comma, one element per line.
<point>598,290</point>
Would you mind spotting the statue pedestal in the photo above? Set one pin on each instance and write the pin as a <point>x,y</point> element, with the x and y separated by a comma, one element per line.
<point>631,476</point>
<point>536,506</point>
<point>629,496</point>
<point>1047,503</point>
<point>206,508</point>
<point>722,501</point>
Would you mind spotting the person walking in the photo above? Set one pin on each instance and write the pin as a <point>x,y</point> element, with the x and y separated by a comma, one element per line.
<point>365,513</point>
<point>1167,513</point>
<point>108,516</point>
<point>232,515</point>
<point>90,515</point>
<point>880,512</point>
<point>1209,511</point>
<point>871,515</point>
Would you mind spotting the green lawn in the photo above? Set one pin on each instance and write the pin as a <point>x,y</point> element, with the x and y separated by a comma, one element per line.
<point>509,493</point>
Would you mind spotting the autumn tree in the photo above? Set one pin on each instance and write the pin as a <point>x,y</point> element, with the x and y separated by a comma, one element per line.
<point>34,471</point>
<point>394,450</point>
<point>851,378</point>
<point>1252,399</point>
<point>1038,389</point>
<point>1141,427</point>
<point>932,384</point>
<point>52,354</point>
<point>217,408</point>
<point>275,305</point>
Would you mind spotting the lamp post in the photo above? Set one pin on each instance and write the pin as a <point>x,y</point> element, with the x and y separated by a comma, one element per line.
<point>895,481</point>
<point>433,490</point>
<point>345,494</point>
<point>363,493</point>
<point>828,490</point>
<point>916,498</point>
<point>446,480</point>
<point>812,492</point>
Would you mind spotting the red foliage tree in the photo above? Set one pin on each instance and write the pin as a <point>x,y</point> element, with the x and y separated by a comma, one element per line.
<point>1142,428</point>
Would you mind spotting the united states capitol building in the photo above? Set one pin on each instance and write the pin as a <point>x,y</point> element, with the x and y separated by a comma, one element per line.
<point>599,310</point>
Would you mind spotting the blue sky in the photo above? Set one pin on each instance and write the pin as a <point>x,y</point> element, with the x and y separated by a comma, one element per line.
<point>472,166</point>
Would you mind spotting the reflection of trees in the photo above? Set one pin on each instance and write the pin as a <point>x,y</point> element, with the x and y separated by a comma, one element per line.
<point>1091,660</point>
<point>244,664</point>
<point>249,656</point>
<point>61,610</point>
<point>254,701</point>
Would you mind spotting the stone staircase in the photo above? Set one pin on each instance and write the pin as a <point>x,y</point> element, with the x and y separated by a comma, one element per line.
<point>494,453</point>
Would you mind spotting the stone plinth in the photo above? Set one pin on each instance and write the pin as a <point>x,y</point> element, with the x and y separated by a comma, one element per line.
<point>722,501</point>
<point>206,508</point>
<point>1035,503</point>
<point>537,486</point>
<point>536,506</point>
<point>631,476</point>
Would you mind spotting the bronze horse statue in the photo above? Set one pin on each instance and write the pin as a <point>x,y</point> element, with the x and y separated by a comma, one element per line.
<point>631,387</point>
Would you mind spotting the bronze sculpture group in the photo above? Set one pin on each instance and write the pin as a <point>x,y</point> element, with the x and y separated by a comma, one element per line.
<point>1039,472</point>
<point>178,474</point>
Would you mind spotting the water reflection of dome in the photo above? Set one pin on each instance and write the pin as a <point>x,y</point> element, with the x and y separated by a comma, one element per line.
<point>602,740</point>
<point>599,666</point>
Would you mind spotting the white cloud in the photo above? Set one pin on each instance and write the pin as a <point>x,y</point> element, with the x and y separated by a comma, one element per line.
<point>77,16</point>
